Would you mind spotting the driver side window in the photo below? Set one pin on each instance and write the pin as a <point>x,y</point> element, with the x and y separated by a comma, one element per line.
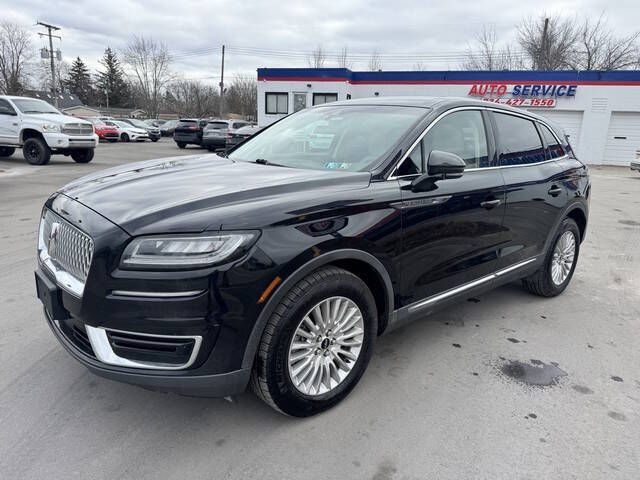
<point>461,133</point>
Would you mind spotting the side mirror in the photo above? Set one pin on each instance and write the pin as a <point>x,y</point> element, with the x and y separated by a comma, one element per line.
<point>445,164</point>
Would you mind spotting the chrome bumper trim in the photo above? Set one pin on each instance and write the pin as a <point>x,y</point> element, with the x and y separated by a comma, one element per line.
<point>103,351</point>
<point>133,293</point>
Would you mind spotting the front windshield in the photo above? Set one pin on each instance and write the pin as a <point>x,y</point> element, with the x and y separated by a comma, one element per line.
<point>31,105</point>
<point>337,137</point>
<point>138,123</point>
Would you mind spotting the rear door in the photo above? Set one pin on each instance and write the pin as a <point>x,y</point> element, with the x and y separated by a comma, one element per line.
<point>534,188</point>
<point>453,232</point>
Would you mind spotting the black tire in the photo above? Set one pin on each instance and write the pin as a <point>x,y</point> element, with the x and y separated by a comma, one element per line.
<point>181,144</point>
<point>211,148</point>
<point>125,137</point>
<point>112,140</point>
<point>541,282</point>
<point>154,140</point>
<point>270,378</point>
<point>83,156</point>
<point>7,151</point>
<point>36,151</point>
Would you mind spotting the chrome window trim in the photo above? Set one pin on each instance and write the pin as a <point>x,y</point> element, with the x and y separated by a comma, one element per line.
<point>133,293</point>
<point>466,286</point>
<point>392,175</point>
<point>104,353</point>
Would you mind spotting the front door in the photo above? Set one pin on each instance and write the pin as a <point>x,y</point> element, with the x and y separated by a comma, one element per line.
<point>451,233</point>
<point>9,124</point>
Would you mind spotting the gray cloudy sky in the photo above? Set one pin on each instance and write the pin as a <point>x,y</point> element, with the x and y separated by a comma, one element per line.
<point>193,29</point>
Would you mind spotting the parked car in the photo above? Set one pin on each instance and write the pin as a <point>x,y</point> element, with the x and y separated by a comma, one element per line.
<point>153,132</point>
<point>168,127</point>
<point>154,122</point>
<point>41,130</point>
<point>240,135</point>
<point>188,131</point>
<point>279,264</point>
<point>128,132</point>
<point>215,132</point>
<point>635,165</point>
<point>105,132</point>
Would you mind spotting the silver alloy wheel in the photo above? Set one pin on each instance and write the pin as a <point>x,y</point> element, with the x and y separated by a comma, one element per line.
<point>563,257</point>
<point>325,346</point>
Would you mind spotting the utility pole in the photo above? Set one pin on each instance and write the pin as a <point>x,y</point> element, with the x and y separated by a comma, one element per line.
<point>222,85</point>
<point>545,53</point>
<point>54,86</point>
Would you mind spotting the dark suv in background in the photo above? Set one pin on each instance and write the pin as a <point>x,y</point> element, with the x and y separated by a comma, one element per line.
<point>188,131</point>
<point>279,264</point>
<point>216,133</point>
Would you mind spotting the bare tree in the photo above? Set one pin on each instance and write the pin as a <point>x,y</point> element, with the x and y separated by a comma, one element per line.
<point>15,51</point>
<point>192,98</point>
<point>548,42</point>
<point>598,49</point>
<point>317,58</point>
<point>344,61</point>
<point>148,61</point>
<point>41,71</point>
<point>375,62</point>
<point>242,96</point>
<point>485,54</point>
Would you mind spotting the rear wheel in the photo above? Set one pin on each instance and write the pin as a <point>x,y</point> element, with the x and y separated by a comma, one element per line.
<point>36,151</point>
<point>181,144</point>
<point>154,139</point>
<point>124,137</point>
<point>6,151</point>
<point>317,343</point>
<point>82,156</point>
<point>559,264</point>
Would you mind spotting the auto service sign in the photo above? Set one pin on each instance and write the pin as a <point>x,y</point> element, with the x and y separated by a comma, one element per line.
<point>523,94</point>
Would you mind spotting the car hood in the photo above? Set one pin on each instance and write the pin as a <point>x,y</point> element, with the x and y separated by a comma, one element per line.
<point>53,118</point>
<point>193,194</point>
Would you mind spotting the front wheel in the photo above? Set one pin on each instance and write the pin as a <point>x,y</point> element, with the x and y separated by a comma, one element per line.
<point>559,263</point>
<point>124,137</point>
<point>154,139</point>
<point>317,343</point>
<point>36,151</point>
<point>82,156</point>
<point>181,144</point>
<point>6,151</point>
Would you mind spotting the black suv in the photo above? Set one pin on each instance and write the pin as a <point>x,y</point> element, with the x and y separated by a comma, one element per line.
<point>279,264</point>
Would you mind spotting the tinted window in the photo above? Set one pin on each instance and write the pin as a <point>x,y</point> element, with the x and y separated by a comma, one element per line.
<point>554,149</point>
<point>519,140</point>
<point>461,133</point>
<point>320,98</point>
<point>6,108</point>
<point>276,103</point>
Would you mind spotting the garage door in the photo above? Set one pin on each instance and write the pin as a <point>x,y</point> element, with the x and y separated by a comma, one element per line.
<point>569,120</point>
<point>623,138</point>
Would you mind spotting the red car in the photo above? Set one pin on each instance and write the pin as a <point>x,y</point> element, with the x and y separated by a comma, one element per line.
<point>104,131</point>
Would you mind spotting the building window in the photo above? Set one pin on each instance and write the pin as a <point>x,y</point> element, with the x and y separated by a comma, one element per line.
<point>276,103</point>
<point>320,98</point>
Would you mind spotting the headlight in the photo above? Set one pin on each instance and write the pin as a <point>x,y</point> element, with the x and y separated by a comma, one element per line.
<point>50,127</point>
<point>182,252</point>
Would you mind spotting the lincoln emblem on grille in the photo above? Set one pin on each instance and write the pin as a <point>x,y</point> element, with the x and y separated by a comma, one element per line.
<point>53,238</point>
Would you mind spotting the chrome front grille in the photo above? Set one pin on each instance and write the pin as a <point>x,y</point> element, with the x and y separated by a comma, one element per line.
<point>65,251</point>
<point>77,129</point>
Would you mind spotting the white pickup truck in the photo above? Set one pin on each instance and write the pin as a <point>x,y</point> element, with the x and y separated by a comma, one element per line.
<point>41,131</point>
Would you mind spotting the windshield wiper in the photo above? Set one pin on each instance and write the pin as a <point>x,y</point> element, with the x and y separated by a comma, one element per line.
<point>262,161</point>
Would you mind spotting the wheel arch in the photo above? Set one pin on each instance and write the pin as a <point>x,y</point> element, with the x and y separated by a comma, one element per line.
<point>358,262</point>
<point>578,215</point>
<point>27,133</point>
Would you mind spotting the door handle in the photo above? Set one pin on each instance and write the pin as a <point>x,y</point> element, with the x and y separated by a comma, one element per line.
<point>489,204</point>
<point>554,191</point>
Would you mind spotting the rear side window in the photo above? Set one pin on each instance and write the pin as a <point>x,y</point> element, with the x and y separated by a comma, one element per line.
<point>461,133</point>
<point>554,149</point>
<point>520,143</point>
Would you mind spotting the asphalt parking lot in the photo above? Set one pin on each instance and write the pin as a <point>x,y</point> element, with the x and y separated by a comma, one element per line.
<point>443,398</point>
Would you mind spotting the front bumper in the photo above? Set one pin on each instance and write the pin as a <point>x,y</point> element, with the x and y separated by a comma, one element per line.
<point>635,166</point>
<point>216,385</point>
<point>62,141</point>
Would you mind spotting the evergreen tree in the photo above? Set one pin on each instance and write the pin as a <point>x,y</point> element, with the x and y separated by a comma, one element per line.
<point>111,82</point>
<point>78,81</point>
